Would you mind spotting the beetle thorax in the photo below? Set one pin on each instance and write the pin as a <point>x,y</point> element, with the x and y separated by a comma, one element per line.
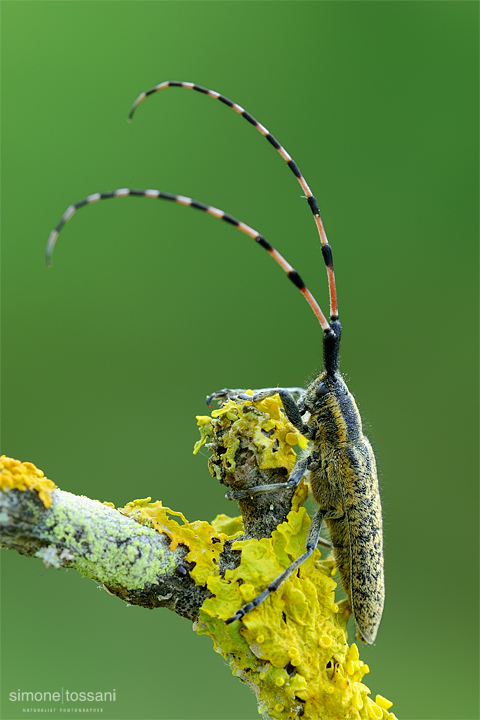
<point>333,413</point>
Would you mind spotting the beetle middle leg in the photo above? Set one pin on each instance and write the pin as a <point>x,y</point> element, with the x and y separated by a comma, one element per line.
<point>295,476</point>
<point>313,539</point>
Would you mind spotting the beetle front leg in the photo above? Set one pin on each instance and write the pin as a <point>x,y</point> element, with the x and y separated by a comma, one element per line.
<point>289,404</point>
<point>239,393</point>
<point>224,395</point>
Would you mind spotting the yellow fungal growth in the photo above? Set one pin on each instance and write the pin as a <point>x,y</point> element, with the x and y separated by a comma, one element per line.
<point>204,542</point>
<point>292,650</point>
<point>25,476</point>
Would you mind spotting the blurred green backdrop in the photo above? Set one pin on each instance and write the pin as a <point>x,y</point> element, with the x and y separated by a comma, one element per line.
<point>107,356</point>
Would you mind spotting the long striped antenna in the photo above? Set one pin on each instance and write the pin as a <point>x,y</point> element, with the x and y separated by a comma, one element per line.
<point>326,249</point>
<point>216,213</point>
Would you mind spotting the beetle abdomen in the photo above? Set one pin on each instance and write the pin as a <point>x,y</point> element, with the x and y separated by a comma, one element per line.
<point>363,515</point>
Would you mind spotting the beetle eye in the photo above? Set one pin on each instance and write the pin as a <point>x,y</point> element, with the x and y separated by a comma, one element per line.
<point>322,389</point>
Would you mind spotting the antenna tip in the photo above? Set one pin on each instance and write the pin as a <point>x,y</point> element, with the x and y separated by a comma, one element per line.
<point>52,239</point>
<point>137,102</point>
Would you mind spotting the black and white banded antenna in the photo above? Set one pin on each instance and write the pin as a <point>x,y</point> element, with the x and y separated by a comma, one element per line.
<point>210,210</point>
<point>326,249</point>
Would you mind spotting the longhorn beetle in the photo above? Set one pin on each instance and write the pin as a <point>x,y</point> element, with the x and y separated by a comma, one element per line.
<point>339,461</point>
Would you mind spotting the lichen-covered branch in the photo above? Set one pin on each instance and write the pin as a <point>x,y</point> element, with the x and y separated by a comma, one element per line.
<point>292,650</point>
<point>131,560</point>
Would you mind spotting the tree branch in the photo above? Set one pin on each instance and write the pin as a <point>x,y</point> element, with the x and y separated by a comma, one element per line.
<point>292,650</point>
<point>132,561</point>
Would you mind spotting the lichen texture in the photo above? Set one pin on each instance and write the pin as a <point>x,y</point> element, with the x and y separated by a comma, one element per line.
<point>25,476</point>
<point>292,650</point>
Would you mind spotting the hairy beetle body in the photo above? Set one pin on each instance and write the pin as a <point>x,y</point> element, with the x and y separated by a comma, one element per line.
<point>342,472</point>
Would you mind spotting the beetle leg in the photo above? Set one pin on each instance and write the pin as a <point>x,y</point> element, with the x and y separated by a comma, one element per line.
<point>296,475</point>
<point>232,394</point>
<point>224,395</point>
<point>289,404</point>
<point>312,542</point>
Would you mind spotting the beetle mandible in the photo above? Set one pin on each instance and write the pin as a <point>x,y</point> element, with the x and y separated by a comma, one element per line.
<point>339,462</point>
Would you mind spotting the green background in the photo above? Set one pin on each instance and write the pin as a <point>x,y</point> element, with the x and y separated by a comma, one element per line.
<point>108,355</point>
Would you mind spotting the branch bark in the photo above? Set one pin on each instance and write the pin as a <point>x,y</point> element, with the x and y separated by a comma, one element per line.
<point>292,651</point>
<point>132,561</point>
<point>137,563</point>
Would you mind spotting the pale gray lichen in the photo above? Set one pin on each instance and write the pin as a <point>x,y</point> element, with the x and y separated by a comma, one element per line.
<point>88,536</point>
<point>50,556</point>
<point>104,544</point>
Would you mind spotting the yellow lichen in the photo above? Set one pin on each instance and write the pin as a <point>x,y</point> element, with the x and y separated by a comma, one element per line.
<point>204,542</point>
<point>25,476</point>
<point>264,424</point>
<point>293,648</point>
<point>383,702</point>
<point>204,423</point>
<point>232,527</point>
